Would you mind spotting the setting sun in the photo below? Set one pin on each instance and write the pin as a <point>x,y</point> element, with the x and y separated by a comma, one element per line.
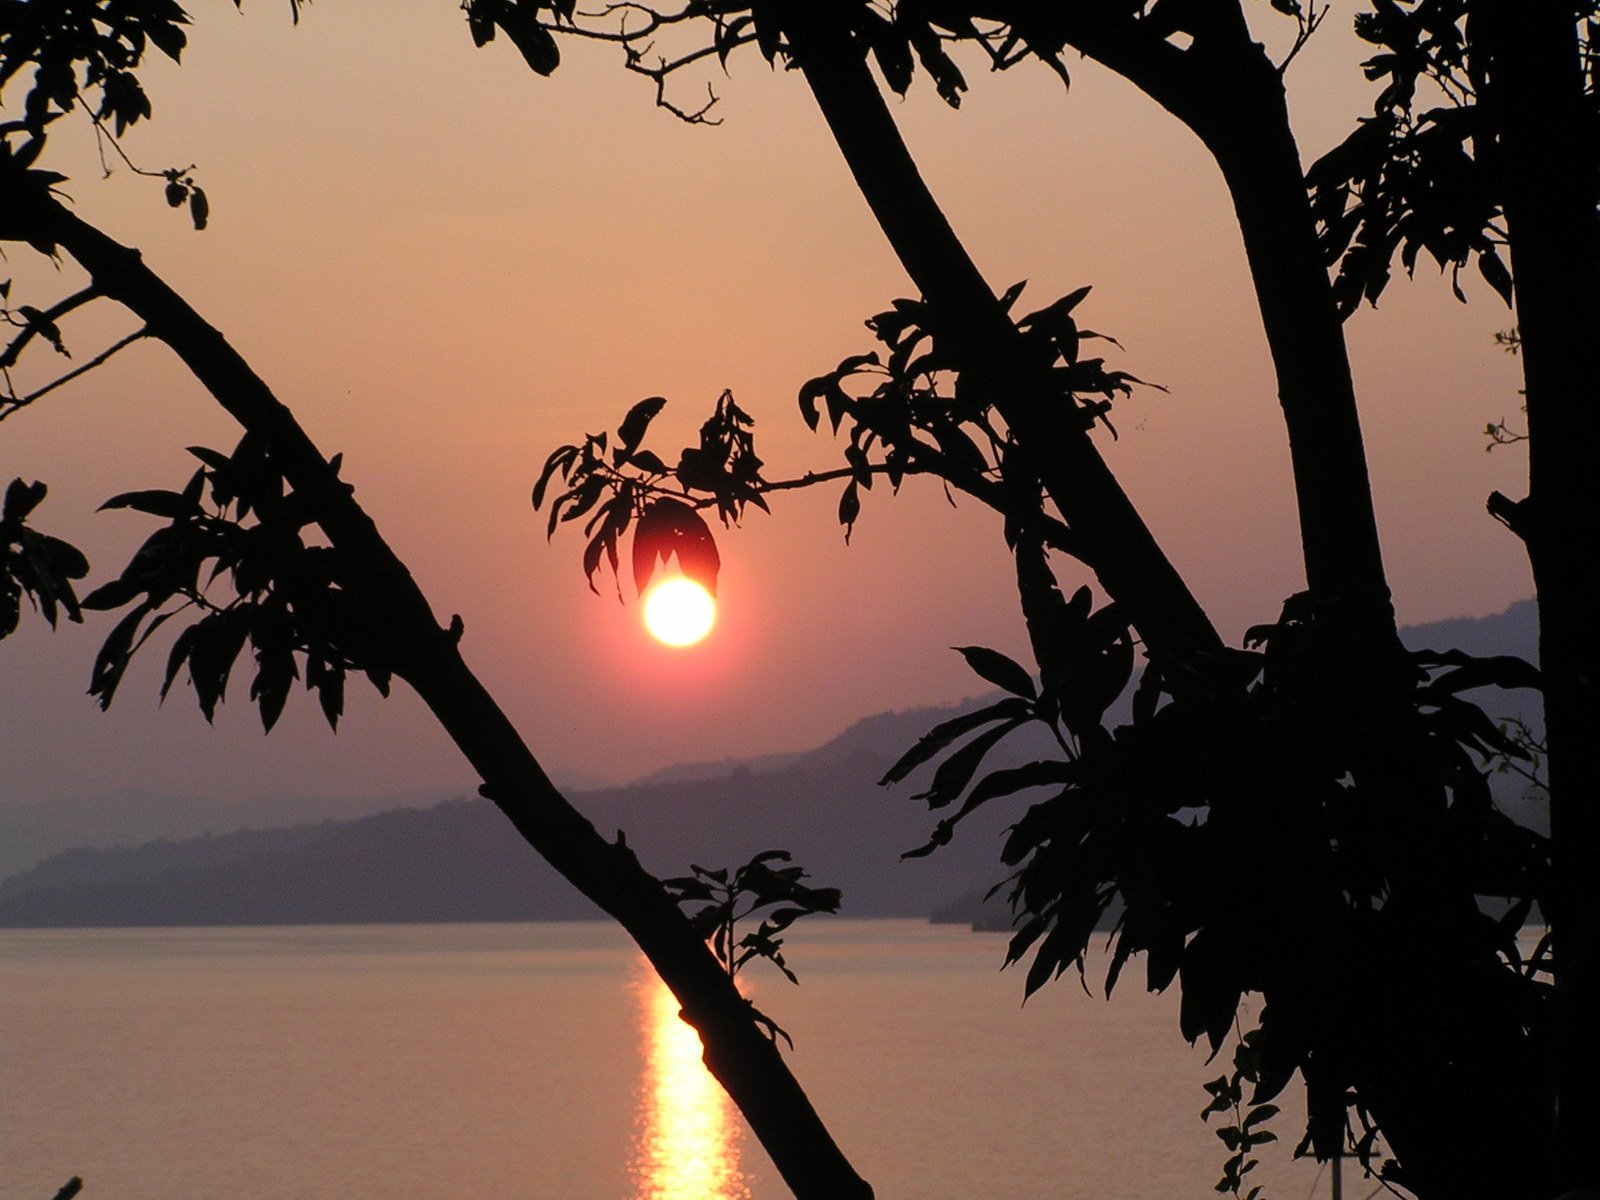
<point>679,611</point>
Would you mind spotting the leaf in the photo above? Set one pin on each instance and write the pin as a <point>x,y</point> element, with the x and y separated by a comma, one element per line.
<point>955,772</point>
<point>560,459</point>
<point>330,694</point>
<point>199,207</point>
<point>1505,671</point>
<point>22,499</point>
<point>520,21</point>
<point>671,527</point>
<point>112,595</point>
<point>849,507</point>
<point>1005,673</point>
<point>632,430</point>
<point>891,50</point>
<point>649,462</point>
<point>112,661</point>
<point>156,502</point>
<point>941,735</point>
<point>769,33</point>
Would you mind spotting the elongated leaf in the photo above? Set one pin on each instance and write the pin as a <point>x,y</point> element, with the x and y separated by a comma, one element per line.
<point>112,661</point>
<point>1500,670</point>
<point>156,502</point>
<point>1009,780</point>
<point>560,459</point>
<point>941,735</point>
<point>671,527</point>
<point>632,430</point>
<point>1005,673</point>
<point>955,772</point>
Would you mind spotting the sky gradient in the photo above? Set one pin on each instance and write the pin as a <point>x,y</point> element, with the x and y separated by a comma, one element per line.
<point>447,266</point>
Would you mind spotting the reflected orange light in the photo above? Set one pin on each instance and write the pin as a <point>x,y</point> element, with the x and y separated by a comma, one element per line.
<point>687,1140</point>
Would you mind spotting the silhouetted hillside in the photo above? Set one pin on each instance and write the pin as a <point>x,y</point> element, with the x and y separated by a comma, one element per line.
<point>461,861</point>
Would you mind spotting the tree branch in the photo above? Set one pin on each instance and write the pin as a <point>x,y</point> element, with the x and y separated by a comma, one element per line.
<point>13,351</point>
<point>1110,536</point>
<point>13,404</point>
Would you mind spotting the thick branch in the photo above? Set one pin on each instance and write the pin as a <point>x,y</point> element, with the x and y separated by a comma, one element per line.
<point>1229,93</point>
<point>1111,537</point>
<point>1549,175</point>
<point>743,1059</point>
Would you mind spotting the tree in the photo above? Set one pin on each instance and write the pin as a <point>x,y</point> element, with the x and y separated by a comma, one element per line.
<point>1330,768</point>
<point>1380,768</point>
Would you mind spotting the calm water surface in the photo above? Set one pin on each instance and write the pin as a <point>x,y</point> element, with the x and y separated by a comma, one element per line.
<point>536,1061</point>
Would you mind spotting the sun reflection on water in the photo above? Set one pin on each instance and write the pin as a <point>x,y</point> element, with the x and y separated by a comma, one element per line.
<point>687,1140</point>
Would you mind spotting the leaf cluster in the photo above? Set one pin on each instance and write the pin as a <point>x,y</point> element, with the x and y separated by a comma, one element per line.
<point>1235,839</point>
<point>1088,661</point>
<point>618,485</point>
<point>899,36</point>
<point>1422,173</point>
<point>519,21</point>
<point>907,407</point>
<point>34,564</point>
<point>70,55</point>
<point>728,899</point>
<point>1401,184</point>
<point>238,554</point>
<point>83,52</point>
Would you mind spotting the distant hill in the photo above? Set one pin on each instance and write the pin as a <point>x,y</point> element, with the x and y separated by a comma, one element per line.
<point>1515,631</point>
<point>29,831</point>
<point>460,860</point>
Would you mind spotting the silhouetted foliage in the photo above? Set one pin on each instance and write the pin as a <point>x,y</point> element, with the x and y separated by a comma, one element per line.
<point>236,520</point>
<point>34,564</point>
<point>728,899</point>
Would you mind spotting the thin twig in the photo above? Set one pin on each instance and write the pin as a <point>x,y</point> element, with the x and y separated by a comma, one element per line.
<point>19,402</point>
<point>1309,24</point>
<point>8,357</point>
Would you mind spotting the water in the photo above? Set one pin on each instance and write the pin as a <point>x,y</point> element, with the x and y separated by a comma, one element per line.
<point>539,1061</point>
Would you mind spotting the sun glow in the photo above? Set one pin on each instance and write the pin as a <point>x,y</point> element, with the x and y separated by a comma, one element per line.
<point>687,1145</point>
<point>679,612</point>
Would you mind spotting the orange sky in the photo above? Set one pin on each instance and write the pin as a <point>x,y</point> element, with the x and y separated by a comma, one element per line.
<point>447,266</point>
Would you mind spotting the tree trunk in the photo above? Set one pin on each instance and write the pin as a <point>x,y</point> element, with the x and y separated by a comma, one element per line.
<point>1114,540</point>
<point>1226,90</point>
<point>1527,56</point>
<point>1421,1035</point>
<point>744,1060</point>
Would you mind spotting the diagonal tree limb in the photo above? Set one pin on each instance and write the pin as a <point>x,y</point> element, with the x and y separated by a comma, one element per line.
<point>1231,95</point>
<point>1112,539</point>
<point>744,1060</point>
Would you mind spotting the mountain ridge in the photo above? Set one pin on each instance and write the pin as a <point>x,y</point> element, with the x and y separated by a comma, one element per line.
<point>457,859</point>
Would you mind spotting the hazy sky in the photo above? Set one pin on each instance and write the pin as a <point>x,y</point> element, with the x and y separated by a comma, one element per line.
<point>447,266</point>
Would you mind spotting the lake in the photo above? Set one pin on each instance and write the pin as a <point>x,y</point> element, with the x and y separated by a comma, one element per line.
<point>543,1060</point>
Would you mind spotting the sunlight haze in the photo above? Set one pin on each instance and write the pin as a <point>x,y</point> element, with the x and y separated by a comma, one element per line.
<point>447,267</point>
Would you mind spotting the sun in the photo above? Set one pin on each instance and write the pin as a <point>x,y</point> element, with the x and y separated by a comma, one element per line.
<point>679,612</point>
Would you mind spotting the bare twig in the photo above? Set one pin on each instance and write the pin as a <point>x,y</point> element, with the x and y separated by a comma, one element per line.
<point>31,329</point>
<point>1310,22</point>
<point>14,403</point>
